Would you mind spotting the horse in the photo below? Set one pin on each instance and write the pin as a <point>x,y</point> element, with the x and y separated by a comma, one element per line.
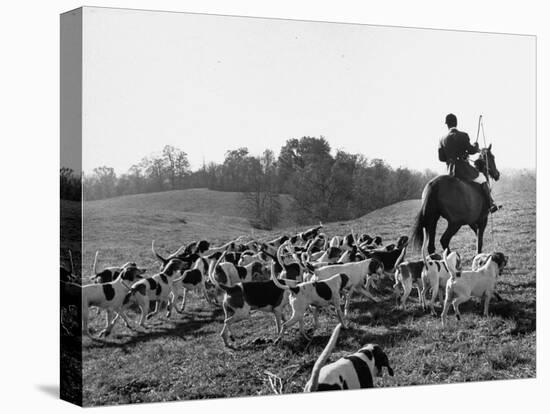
<point>457,201</point>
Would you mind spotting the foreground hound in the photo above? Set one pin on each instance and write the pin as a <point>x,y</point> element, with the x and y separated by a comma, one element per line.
<point>319,294</point>
<point>359,275</point>
<point>461,286</point>
<point>109,296</point>
<point>109,274</point>
<point>241,298</point>
<point>350,372</point>
<point>156,288</point>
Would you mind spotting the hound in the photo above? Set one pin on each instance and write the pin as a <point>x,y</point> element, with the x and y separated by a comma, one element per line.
<point>307,235</point>
<point>331,255</point>
<point>249,257</point>
<point>109,296</point>
<point>229,247</point>
<point>271,247</point>
<point>369,243</point>
<point>435,275</point>
<point>461,286</point>
<point>350,372</point>
<point>319,294</point>
<point>408,274</point>
<point>241,298</point>
<point>478,262</point>
<point>352,255</point>
<point>157,288</point>
<point>388,258</point>
<point>360,275</point>
<point>226,273</point>
<point>187,254</point>
<point>193,279</point>
<point>109,274</point>
<point>293,271</point>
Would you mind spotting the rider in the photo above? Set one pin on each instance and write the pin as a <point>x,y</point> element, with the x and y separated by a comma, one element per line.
<point>454,149</point>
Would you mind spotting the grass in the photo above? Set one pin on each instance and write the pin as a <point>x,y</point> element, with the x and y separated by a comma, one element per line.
<point>185,359</point>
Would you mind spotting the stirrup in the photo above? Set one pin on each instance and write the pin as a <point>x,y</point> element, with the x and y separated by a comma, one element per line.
<point>494,208</point>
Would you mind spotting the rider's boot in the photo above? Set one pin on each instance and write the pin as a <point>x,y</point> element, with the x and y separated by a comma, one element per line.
<point>487,192</point>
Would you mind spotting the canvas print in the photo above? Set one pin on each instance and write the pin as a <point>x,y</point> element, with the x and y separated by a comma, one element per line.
<point>256,206</point>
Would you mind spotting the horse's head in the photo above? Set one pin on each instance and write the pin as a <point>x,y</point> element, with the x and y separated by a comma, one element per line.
<point>486,163</point>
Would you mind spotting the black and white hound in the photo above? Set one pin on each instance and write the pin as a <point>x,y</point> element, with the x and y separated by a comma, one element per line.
<point>157,288</point>
<point>353,371</point>
<point>318,294</point>
<point>360,276</point>
<point>109,274</point>
<point>480,283</point>
<point>241,298</point>
<point>109,296</point>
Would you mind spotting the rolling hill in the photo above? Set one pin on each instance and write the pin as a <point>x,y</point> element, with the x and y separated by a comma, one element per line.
<point>185,359</point>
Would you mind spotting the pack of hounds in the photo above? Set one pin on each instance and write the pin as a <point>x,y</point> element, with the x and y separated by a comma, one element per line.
<point>306,272</point>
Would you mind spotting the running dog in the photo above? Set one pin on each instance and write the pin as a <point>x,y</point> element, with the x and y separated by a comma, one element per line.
<point>109,296</point>
<point>157,288</point>
<point>360,276</point>
<point>109,274</point>
<point>318,294</point>
<point>242,298</point>
<point>350,372</point>
<point>462,286</point>
<point>193,279</point>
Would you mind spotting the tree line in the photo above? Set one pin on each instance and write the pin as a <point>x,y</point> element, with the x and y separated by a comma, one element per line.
<point>323,186</point>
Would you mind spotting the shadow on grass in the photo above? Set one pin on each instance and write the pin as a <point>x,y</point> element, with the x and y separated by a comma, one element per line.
<point>187,327</point>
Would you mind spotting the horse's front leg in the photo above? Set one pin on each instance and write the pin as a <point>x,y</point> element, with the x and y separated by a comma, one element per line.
<point>445,240</point>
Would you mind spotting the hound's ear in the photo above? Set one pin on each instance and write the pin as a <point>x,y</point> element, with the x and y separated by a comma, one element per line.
<point>490,146</point>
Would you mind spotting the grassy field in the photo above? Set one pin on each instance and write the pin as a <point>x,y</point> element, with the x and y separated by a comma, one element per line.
<point>185,358</point>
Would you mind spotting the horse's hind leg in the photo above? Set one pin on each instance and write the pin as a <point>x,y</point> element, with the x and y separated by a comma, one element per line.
<point>431,228</point>
<point>445,240</point>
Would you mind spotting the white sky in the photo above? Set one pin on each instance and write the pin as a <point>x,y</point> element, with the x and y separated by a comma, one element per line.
<point>207,84</point>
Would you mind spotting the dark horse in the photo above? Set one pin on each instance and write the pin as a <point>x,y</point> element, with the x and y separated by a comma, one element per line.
<point>457,201</point>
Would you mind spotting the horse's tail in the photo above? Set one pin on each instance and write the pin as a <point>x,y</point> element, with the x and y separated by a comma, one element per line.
<point>420,223</point>
<point>417,236</point>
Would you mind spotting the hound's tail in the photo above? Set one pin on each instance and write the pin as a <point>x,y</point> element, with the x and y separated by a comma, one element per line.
<point>451,270</point>
<point>212,269</point>
<point>158,256</point>
<point>313,382</point>
<point>285,284</point>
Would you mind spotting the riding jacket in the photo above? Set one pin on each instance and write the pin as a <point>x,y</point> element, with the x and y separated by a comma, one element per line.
<point>454,149</point>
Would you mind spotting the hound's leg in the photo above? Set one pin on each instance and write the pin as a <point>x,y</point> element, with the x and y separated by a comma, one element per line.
<point>446,307</point>
<point>340,315</point>
<point>486,307</point>
<point>184,300</point>
<point>435,293</point>
<point>456,303</point>
<point>155,311</point>
<point>407,288</point>
<point>348,299</point>
<point>297,316</point>
<point>109,319</point>
<point>124,317</point>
